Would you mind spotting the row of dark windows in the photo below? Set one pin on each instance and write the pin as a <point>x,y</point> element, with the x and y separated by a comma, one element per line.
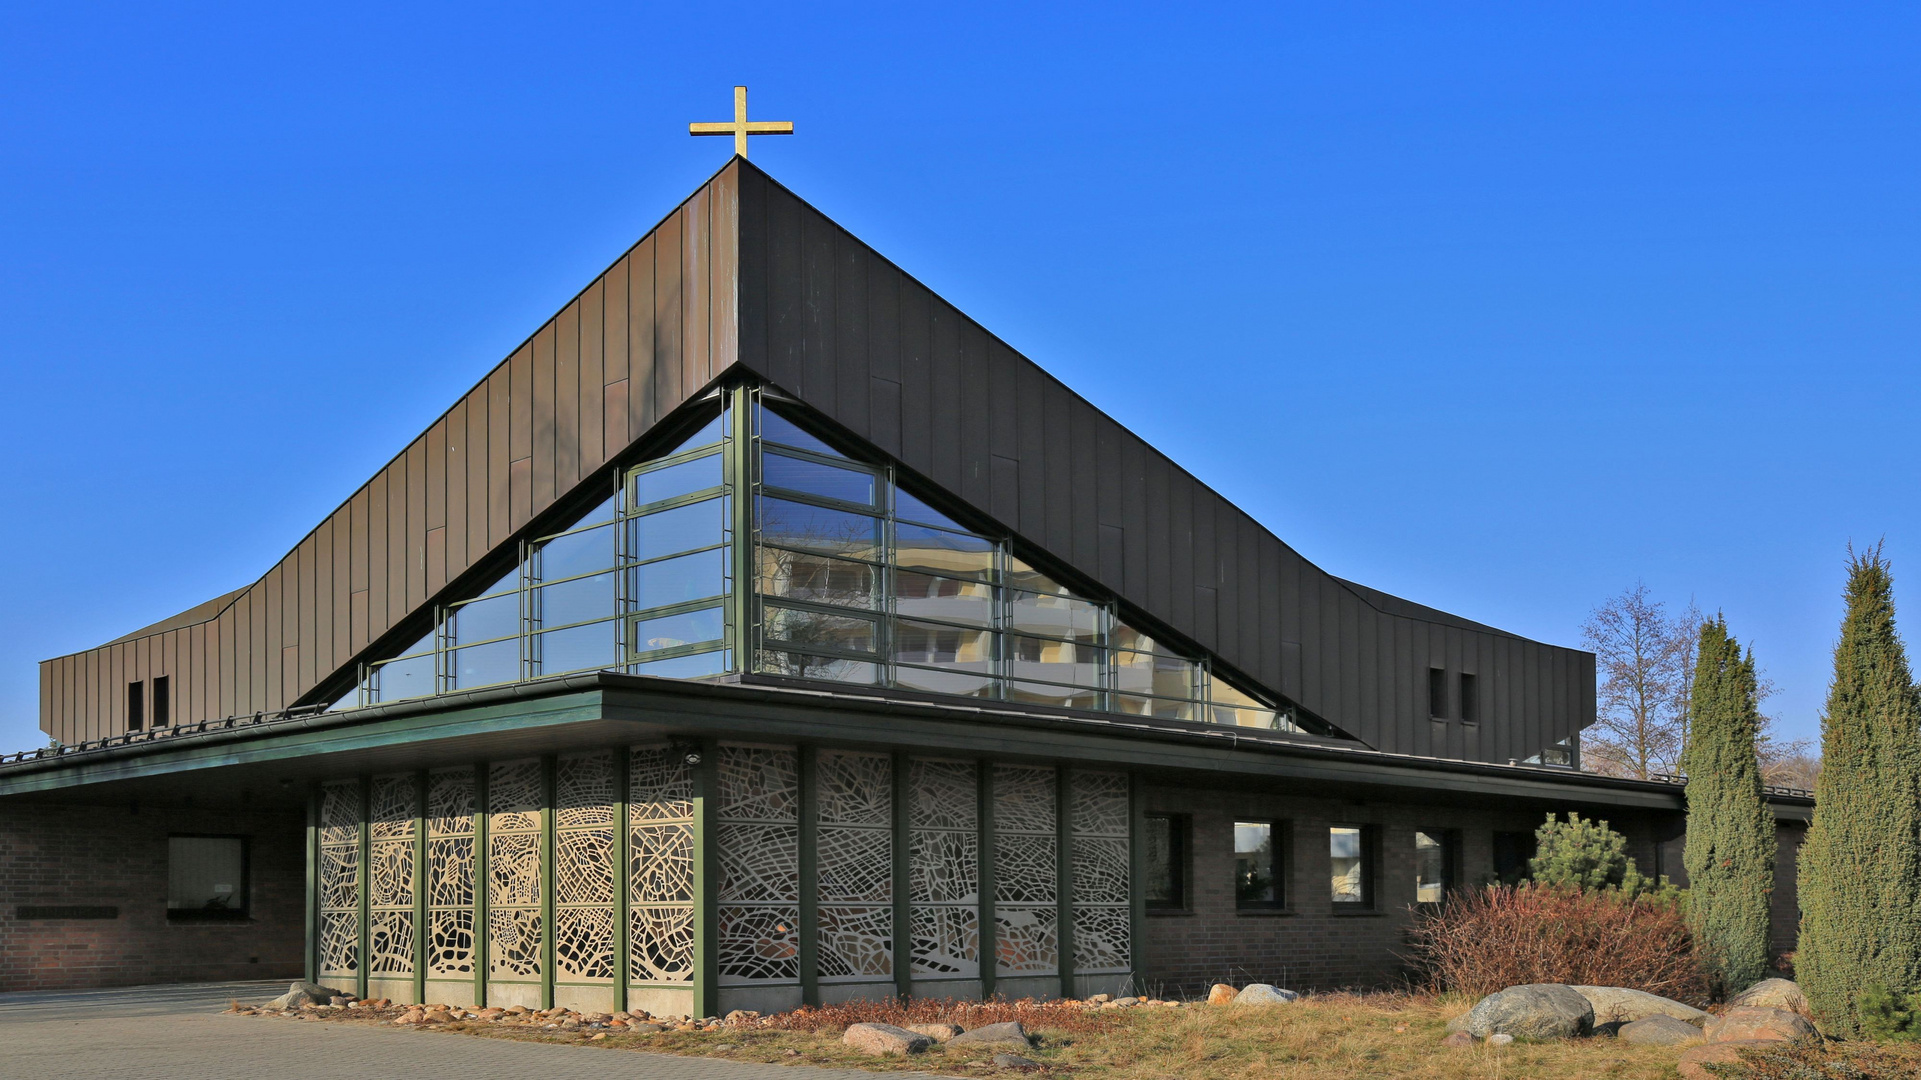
<point>1437,697</point>
<point>162,703</point>
<point>1264,864</point>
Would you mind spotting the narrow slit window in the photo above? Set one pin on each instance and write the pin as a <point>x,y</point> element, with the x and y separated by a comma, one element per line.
<point>1470,698</point>
<point>162,706</point>
<point>1347,851</point>
<point>1437,693</point>
<point>136,706</point>
<point>1433,865</point>
<point>1166,844</point>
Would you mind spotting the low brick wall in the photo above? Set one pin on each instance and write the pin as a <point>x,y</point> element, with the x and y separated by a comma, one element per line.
<point>59,861</point>
<point>1311,944</point>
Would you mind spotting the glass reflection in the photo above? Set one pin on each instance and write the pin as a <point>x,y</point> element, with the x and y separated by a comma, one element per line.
<point>777,428</point>
<point>684,528</point>
<point>796,626</point>
<point>1054,615</point>
<point>1066,697</point>
<point>937,681</point>
<point>677,580</point>
<point>1056,661</point>
<point>909,508</point>
<point>801,665</point>
<point>1347,879</point>
<point>484,620</point>
<point>485,665</point>
<point>577,553</point>
<point>797,575</point>
<point>949,599</point>
<point>832,532</point>
<point>818,478</point>
<point>697,666</point>
<point>932,643</point>
<point>938,551</point>
<point>580,600</point>
<point>673,481</point>
<point>685,628</point>
<point>405,678</point>
<point>579,648</point>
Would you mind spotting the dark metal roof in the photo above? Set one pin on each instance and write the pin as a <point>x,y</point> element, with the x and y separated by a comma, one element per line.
<point>745,275</point>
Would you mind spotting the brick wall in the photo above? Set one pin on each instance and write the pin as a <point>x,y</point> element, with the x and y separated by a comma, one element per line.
<point>1311,944</point>
<point>91,856</point>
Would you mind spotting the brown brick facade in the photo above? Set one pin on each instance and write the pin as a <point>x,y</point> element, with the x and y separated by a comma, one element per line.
<point>68,857</point>
<point>1310,945</point>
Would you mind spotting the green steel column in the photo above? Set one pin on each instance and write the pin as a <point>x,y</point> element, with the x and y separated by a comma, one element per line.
<point>1136,876</point>
<point>548,763</point>
<point>481,912</point>
<point>623,875</point>
<point>421,928</point>
<point>740,480</point>
<point>1064,871</point>
<point>365,873</point>
<point>313,884</point>
<point>706,883</point>
<point>903,852</point>
<point>809,929</point>
<point>989,951</point>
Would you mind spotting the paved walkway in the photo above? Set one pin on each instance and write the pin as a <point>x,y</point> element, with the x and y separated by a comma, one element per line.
<point>178,1033</point>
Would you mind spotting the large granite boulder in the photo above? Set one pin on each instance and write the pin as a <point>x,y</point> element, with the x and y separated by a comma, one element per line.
<point>1747,1022</point>
<point>1263,994</point>
<point>301,992</point>
<point>1619,1005</point>
<point>1006,1034</point>
<point>1659,1030</point>
<point>881,1039</point>
<point>1774,994</point>
<point>1534,1011</point>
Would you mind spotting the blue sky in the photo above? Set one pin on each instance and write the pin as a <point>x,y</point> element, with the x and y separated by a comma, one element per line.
<point>1497,307</point>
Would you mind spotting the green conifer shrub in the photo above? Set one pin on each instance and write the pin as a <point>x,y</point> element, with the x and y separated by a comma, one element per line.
<point>1860,868</point>
<point>1585,854</point>
<point>1730,840</point>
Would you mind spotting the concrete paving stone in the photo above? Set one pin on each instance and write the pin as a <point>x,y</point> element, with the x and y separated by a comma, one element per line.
<point>179,1033</point>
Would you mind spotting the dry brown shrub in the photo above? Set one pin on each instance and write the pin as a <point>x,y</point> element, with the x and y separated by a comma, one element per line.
<point>1501,936</point>
<point>1060,1016</point>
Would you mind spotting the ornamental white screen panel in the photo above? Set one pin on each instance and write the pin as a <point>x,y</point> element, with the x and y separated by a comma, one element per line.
<point>339,880</point>
<point>514,797</point>
<point>757,842</point>
<point>660,869</point>
<point>1098,802</point>
<point>395,803</point>
<point>450,873</point>
<point>854,853</point>
<point>1026,871</point>
<point>584,947</point>
<point>943,869</point>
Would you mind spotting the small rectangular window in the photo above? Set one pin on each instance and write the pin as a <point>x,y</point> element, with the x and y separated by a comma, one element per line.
<point>162,706</point>
<point>1437,693</point>
<point>1433,865</point>
<point>1166,851</point>
<point>206,877</point>
<point>136,706</point>
<point>1470,699</point>
<point>1259,865</point>
<point>1347,850</point>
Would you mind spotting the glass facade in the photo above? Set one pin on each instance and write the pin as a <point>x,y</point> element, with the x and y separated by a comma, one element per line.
<point>852,580</point>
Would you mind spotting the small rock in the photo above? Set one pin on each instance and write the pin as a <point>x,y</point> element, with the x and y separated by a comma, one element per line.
<point>646,1028</point>
<point>1126,1002</point>
<point>1458,1038</point>
<point>301,993</point>
<point>940,1033</point>
<point>885,1039</point>
<point>1221,994</point>
<point>1694,1061</point>
<point>1748,1022</point>
<point>570,1024</point>
<point>1015,1061</point>
<point>1774,994</point>
<point>1500,1040</point>
<point>340,999</point>
<point>790,1052</point>
<point>1659,1031</point>
<point>717,1046</point>
<point>1100,999</point>
<point>1263,994</point>
<point>597,1038</point>
<point>1533,1011</point>
<point>1010,1033</point>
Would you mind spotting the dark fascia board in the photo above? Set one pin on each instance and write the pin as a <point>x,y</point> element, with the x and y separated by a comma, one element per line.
<point>733,710</point>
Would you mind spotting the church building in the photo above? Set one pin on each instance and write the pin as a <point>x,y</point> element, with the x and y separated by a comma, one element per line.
<point>763,631</point>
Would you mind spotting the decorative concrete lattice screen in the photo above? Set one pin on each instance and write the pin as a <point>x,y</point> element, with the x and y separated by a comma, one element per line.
<point>584,871</point>
<point>943,873</point>
<point>1098,850</point>
<point>660,822</point>
<point>339,880</point>
<point>855,872</point>
<point>514,800</point>
<point>1026,871</point>
<point>757,832</point>
<point>450,874</point>
<point>390,876</point>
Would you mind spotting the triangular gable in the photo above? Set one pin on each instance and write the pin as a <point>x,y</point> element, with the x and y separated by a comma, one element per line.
<point>744,271</point>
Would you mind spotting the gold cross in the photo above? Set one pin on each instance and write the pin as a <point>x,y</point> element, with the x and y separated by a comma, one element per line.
<point>741,127</point>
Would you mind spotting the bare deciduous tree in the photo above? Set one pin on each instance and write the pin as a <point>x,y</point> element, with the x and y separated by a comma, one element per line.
<point>1645,668</point>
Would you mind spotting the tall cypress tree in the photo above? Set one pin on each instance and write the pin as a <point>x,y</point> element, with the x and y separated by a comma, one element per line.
<point>1861,866</point>
<point>1730,848</point>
